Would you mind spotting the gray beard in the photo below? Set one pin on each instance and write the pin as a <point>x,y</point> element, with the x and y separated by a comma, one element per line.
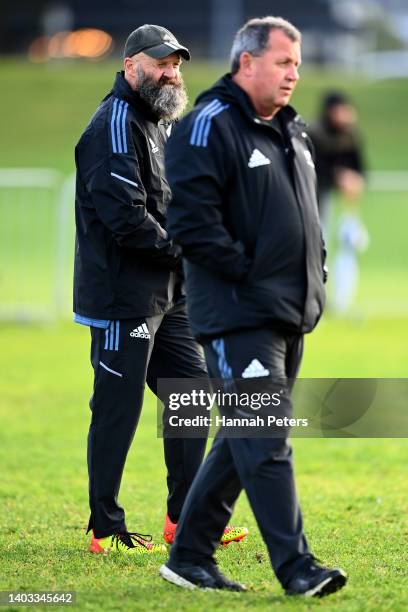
<point>165,100</point>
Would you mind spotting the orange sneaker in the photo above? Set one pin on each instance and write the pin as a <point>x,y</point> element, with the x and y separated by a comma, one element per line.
<point>169,530</point>
<point>130,543</point>
<point>231,534</point>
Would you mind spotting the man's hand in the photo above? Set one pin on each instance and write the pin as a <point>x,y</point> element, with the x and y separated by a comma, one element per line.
<point>349,182</point>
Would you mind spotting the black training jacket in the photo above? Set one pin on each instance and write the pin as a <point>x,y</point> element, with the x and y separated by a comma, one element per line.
<point>244,210</point>
<point>124,261</point>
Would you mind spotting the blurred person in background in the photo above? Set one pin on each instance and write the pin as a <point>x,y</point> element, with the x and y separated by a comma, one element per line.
<point>244,210</point>
<point>340,170</point>
<point>127,283</point>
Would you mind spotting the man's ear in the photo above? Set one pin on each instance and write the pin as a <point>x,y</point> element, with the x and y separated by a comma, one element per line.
<point>246,63</point>
<point>129,66</point>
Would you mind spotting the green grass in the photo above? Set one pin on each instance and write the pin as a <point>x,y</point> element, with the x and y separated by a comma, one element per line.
<point>44,108</point>
<point>353,492</point>
<point>382,288</point>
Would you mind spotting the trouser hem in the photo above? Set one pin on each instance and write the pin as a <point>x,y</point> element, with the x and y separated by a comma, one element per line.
<point>188,557</point>
<point>104,533</point>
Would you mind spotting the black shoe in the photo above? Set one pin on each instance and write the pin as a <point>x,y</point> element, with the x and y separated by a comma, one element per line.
<point>204,576</point>
<point>222,581</point>
<point>314,580</point>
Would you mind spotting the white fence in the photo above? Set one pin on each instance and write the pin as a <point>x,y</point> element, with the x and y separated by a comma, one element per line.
<point>36,243</point>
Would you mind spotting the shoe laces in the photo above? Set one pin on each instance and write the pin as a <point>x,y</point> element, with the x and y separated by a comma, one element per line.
<point>312,563</point>
<point>132,539</point>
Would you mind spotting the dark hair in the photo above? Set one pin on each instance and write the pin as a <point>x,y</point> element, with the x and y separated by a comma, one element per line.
<point>334,98</point>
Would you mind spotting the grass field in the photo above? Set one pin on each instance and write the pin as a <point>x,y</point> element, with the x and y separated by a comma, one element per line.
<point>46,107</point>
<point>353,492</point>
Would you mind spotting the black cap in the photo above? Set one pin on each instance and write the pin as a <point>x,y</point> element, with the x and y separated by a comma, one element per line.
<point>154,41</point>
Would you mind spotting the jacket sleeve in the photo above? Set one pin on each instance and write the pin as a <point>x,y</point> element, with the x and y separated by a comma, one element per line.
<point>198,177</point>
<point>119,198</point>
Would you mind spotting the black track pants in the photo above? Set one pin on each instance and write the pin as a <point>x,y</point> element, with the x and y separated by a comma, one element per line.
<point>261,466</point>
<point>125,356</point>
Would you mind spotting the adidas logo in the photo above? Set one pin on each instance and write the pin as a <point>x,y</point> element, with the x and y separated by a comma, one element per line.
<point>258,159</point>
<point>140,332</point>
<point>255,370</point>
<point>154,146</point>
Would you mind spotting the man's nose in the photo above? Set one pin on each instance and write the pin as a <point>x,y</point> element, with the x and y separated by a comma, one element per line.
<point>293,74</point>
<point>170,72</point>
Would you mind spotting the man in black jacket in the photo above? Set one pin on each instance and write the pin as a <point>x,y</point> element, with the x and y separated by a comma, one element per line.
<point>244,211</point>
<point>127,286</point>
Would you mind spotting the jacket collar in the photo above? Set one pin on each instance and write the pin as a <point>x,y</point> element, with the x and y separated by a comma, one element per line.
<point>286,115</point>
<point>123,90</point>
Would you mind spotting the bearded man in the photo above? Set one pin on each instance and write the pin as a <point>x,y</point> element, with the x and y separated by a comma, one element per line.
<point>127,286</point>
